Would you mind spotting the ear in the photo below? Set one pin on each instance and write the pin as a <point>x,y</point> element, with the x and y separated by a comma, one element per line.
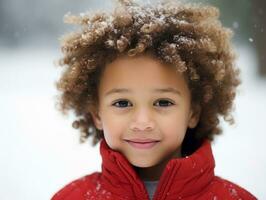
<point>194,116</point>
<point>96,119</point>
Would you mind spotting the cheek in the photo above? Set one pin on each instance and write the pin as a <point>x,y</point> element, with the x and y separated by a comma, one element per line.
<point>175,123</point>
<point>174,135</point>
<point>113,130</point>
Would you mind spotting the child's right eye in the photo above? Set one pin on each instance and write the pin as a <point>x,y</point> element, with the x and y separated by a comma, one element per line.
<point>121,104</point>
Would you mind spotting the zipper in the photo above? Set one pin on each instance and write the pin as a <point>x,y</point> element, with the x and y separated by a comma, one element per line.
<point>165,182</point>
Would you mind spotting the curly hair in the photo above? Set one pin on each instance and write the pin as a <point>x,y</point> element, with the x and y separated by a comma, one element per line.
<point>187,36</point>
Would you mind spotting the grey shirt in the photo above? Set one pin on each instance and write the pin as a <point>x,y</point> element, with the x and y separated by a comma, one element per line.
<point>151,187</point>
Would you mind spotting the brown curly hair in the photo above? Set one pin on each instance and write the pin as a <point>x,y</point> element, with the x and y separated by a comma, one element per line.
<point>187,36</point>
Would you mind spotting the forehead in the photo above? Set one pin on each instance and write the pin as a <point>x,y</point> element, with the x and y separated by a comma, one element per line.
<point>140,73</point>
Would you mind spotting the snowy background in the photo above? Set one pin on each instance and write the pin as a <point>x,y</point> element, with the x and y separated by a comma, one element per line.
<point>40,152</point>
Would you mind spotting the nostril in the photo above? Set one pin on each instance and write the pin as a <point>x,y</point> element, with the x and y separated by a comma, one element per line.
<point>138,127</point>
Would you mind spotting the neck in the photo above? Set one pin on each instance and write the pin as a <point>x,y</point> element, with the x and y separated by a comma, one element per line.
<point>154,173</point>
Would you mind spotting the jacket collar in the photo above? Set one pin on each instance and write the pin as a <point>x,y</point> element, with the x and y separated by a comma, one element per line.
<point>181,177</point>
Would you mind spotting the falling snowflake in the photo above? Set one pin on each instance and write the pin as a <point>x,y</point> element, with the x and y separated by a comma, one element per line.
<point>251,39</point>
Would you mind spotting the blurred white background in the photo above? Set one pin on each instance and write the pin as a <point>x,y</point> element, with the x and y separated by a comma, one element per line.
<point>39,150</point>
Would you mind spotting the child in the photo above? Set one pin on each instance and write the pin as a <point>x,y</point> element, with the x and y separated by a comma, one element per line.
<point>150,83</point>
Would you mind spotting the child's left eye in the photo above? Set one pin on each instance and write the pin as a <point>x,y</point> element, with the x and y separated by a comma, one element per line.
<point>165,103</point>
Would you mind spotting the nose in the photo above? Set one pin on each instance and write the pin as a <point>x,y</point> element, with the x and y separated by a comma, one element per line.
<point>142,121</point>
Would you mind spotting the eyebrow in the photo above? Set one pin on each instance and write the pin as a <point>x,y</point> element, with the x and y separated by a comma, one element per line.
<point>157,90</point>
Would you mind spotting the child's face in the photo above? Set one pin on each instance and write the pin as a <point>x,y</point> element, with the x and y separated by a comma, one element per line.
<point>135,112</point>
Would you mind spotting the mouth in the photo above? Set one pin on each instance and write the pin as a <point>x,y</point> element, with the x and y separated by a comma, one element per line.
<point>142,143</point>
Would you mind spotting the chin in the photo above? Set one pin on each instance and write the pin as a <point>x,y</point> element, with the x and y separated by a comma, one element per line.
<point>143,164</point>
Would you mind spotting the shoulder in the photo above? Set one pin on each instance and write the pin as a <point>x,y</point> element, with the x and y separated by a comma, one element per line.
<point>229,190</point>
<point>77,189</point>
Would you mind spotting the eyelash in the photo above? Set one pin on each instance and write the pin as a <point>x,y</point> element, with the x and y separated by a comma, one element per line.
<point>122,100</point>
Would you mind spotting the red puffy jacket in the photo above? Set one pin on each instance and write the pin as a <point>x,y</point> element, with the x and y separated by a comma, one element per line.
<point>190,178</point>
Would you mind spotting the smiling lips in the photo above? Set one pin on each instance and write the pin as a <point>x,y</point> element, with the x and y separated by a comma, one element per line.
<point>142,143</point>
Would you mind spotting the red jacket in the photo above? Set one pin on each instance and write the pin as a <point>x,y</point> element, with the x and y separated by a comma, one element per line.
<point>190,178</point>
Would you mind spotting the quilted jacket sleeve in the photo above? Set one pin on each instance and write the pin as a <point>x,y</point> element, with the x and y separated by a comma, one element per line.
<point>230,190</point>
<point>77,189</point>
<point>72,191</point>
